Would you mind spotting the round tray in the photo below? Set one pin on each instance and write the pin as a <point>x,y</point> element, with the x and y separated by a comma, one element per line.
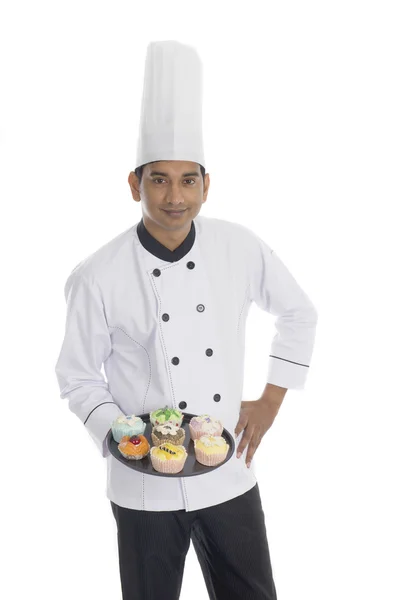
<point>191,466</point>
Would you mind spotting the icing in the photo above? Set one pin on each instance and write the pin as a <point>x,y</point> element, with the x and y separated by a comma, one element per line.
<point>166,414</point>
<point>168,450</point>
<point>130,420</point>
<point>206,423</point>
<point>210,440</point>
<point>166,428</point>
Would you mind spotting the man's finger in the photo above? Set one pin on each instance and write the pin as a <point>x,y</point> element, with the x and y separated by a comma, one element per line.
<point>238,430</point>
<point>240,425</point>
<point>254,443</point>
<point>245,440</point>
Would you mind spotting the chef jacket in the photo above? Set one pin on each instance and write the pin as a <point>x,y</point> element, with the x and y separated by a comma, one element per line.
<point>148,327</point>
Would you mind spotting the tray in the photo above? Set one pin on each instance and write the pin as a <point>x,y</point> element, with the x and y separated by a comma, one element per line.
<point>190,468</point>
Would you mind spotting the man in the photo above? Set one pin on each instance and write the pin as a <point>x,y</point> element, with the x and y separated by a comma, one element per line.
<point>163,307</point>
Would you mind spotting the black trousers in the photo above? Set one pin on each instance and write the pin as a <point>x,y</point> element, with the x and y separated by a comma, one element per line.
<point>230,541</point>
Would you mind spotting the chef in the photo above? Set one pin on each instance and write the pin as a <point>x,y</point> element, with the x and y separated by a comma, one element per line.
<point>162,308</point>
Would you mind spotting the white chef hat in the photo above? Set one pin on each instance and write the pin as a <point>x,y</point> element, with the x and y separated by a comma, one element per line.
<point>171,113</point>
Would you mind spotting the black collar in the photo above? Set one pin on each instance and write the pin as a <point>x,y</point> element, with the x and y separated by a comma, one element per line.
<point>161,251</point>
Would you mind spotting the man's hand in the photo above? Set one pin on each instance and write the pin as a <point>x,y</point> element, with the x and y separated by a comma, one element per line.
<point>256,417</point>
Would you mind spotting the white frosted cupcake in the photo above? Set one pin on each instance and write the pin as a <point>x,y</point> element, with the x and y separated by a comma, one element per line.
<point>211,450</point>
<point>127,425</point>
<point>204,425</point>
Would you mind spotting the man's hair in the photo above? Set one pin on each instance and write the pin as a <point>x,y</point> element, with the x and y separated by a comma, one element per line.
<point>139,170</point>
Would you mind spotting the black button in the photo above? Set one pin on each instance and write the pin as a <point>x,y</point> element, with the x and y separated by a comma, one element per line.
<point>165,317</point>
<point>156,272</point>
<point>182,404</point>
<point>209,352</point>
<point>175,360</point>
<point>190,264</point>
<point>217,397</point>
<point>200,307</point>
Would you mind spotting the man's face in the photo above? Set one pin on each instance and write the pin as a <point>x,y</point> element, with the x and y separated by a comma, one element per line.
<point>171,192</point>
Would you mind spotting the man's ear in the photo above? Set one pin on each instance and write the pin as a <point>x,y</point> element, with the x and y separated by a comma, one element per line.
<point>206,186</point>
<point>133,181</point>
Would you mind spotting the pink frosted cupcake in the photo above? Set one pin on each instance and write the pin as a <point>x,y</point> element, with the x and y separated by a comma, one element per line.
<point>211,450</point>
<point>204,425</point>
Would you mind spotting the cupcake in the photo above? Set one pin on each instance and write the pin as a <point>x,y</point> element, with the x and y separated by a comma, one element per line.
<point>167,432</point>
<point>168,458</point>
<point>161,415</point>
<point>127,425</point>
<point>134,447</point>
<point>204,425</point>
<point>211,450</point>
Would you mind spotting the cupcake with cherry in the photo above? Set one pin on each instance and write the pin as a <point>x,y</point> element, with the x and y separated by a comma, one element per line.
<point>134,447</point>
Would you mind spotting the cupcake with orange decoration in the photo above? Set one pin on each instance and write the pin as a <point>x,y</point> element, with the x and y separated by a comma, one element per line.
<point>134,447</point>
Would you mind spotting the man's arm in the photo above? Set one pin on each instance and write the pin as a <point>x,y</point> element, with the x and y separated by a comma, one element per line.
<point>273,394</point>
<point>86,346</point>
<point>276,291</point>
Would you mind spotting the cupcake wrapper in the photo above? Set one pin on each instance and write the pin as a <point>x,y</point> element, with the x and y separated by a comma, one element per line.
<point>210,460</point>
<point>167,466</point>
<point>133,457</point>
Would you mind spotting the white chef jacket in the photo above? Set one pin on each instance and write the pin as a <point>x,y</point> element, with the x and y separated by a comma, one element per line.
<point>168,327</point>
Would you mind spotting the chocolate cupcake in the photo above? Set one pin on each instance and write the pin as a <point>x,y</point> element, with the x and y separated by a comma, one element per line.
<point>168,432</point>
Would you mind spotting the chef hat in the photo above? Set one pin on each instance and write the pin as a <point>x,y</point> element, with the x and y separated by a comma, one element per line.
<point>171,113</point>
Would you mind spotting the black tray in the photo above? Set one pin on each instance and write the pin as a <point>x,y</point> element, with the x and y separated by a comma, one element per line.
<point>191,466</point>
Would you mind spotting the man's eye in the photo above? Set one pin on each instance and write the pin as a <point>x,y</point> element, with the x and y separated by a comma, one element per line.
<point>161,179</point>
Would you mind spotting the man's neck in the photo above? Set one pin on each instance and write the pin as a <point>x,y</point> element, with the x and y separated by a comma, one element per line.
<point>169,239</point>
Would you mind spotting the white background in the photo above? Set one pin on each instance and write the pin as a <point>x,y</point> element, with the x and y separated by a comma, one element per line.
<point>301,132</point>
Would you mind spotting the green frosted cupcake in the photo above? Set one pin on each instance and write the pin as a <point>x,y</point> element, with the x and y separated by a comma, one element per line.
<point>162,415</point>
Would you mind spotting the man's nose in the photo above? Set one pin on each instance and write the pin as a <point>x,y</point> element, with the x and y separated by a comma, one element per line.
<point>176,197</point>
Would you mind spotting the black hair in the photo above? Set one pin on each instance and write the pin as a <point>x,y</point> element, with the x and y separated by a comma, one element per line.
<point>139,170</point>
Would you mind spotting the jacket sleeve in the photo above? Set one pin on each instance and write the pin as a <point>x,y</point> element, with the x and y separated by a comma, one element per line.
<point>85,347</point>
<point>276,291</point>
